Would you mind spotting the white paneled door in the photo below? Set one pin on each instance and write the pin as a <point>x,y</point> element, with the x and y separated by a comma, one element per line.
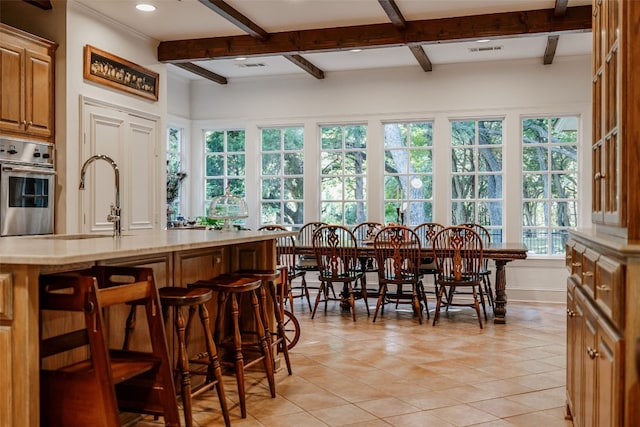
<point>131,140</point>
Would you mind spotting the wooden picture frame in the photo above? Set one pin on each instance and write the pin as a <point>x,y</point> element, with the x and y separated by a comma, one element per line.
<point>118,73</point>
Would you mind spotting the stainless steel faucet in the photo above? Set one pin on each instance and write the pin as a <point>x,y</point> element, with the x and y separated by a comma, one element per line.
<point>115,214</point>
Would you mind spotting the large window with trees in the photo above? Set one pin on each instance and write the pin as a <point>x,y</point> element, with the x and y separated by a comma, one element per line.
<point>281,176</point>
<point>224,158</point>
<point>343,190</point>
<point>549,182</point>
<point>476,174</point>
<point>408,172</point>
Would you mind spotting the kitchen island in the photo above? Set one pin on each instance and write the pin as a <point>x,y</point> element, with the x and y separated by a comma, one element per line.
<point>178,257</point>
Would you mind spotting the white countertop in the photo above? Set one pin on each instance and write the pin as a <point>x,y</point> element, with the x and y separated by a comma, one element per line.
<point>67,249</point>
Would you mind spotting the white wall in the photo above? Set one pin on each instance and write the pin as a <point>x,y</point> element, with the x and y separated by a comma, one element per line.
<point>73,26</point>
<point>510,90</point>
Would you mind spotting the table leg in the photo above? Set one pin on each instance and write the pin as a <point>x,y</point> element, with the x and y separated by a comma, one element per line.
<point>500,309</point>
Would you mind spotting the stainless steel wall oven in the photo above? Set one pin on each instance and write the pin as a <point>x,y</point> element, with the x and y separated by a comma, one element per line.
<point>27,182</point>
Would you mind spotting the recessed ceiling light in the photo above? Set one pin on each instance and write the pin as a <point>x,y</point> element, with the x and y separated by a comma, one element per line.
<point>145,7</point>
<point>356,50</point>
<point>241,58</point>
<point>483,41</point>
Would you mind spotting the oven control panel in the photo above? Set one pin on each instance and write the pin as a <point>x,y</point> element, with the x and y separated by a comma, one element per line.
<point>26,152</point>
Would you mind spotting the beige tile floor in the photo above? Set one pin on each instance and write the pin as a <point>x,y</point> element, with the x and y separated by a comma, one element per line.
<point>399,373</point>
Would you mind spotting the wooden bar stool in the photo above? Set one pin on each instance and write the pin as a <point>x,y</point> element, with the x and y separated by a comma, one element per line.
<point>195,298</point>
<point>230,290</point>
<point>96,382</point>
<point>277,283</point>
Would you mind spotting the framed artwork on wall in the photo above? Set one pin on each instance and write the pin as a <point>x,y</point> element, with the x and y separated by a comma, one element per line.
<point>118,73</point>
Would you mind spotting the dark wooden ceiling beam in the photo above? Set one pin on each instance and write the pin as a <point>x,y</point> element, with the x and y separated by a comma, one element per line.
<point>202,72</point>
<point>306,65</point>
<point>495,25</point>
<point>550,51</point>
<point>421,57</point>
<point>257,32</point>
<point>552,41</point>
<point>393,12</point>
<point>42,4</point>
<point>238,19</point>
<point>561,7</point>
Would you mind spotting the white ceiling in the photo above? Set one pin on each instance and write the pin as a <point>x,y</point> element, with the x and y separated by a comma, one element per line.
<point>184,19</point>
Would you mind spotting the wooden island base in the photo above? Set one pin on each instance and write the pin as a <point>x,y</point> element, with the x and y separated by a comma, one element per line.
<point>177,258</point>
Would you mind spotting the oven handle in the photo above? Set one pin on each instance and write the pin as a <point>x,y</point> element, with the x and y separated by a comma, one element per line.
<point>40,171</point>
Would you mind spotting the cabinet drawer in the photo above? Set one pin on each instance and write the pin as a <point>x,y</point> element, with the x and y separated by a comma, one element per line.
<point>589,260</point>
<point>568,254</point>
<point>609,289</point>
<point>576,261</point>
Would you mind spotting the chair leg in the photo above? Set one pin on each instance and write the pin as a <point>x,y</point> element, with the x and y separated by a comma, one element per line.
<point>484,308</point>
<point>214,371</point>
<point>424,298</point>
<point>239,360</point>
<point>290,292</point>
<point>363,290</point>
<point>381,296</point>
<point>436,314</point>
<point>263,314</point>
<point>352,302</point>
<point>477,306</point>
<point>415,301</point>
<point>264,344</point>
<point>489,291</point>
<point>320,292</point>
<point>280,328</point>
<point>183,366</point>
<point>305,291</point>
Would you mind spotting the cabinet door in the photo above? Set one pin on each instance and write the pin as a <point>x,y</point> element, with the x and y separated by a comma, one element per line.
<point>104,133</point>
<point>11,87</point>
<point>609,360</point>
<point>39,88</point>
<point>141,192</point>
<point>589,336</point>
<point>574,343</point>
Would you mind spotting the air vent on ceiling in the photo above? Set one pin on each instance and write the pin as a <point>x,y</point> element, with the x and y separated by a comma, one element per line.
<point>252,65</point>
<point>485,48</point>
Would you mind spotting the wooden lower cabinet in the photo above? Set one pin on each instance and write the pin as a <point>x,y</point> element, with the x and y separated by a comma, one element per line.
<point>596,360</point>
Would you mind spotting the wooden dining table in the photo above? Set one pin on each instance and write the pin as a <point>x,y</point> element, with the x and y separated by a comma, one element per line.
<point>500,252</point>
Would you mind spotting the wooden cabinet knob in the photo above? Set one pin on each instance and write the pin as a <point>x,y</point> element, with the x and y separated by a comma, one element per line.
<point>603,288</point>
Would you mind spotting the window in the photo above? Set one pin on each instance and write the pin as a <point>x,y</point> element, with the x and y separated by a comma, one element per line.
<point>281,177</point>
<point>549,182</point>
<point>343,188</point>
<point>408,173</point>
<point>224,152</point>
<point>476,174</point>
<point>175,172</point>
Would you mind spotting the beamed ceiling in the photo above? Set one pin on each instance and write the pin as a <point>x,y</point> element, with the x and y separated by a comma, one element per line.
<point>205,38</point>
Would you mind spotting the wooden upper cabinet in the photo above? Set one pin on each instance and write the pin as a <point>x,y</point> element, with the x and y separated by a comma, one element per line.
<point>616,120</point>
<point>27,85</point>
